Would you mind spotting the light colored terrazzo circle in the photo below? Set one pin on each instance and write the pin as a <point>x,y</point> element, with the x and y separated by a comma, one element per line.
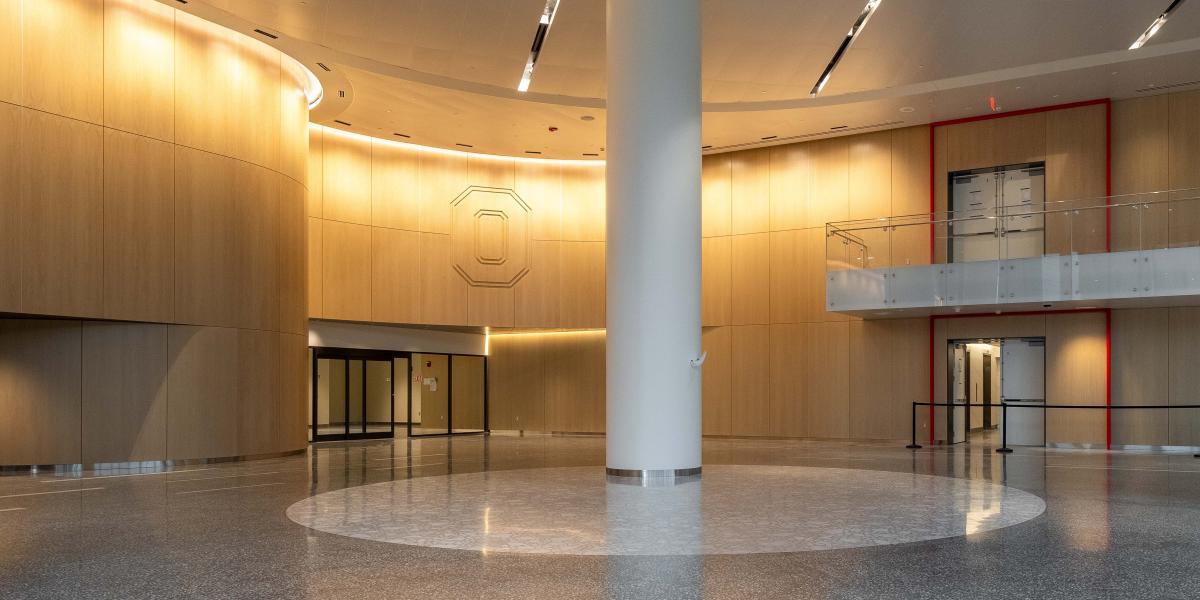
<point>730,510</point>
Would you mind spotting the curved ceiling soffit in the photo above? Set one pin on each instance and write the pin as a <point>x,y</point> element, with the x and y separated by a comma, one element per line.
<point>310,53</point>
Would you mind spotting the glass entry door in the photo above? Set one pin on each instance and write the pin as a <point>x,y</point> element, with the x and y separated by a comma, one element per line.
<point>353,396</point>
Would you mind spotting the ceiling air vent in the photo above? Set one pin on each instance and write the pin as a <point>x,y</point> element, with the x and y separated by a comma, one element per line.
<point>403,135</point>
<point>270,35</point>
<point>463,145</point>
<point>322,65</point>
<point>342,122</point>
<point>1168,86</point>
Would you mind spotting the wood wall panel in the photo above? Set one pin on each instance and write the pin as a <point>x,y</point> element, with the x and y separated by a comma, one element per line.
<point>347,178</point>
<point>292,422</point>
<point>582,291</point>
<point>541,187</point>
<point>138,231</point>
<point>292,258</point>
<point>40,379</point>
<point>716,281</point>
<point>443,178</point>
<point>124,387</point>
<point>257,392</point>
<point>316,261</point>
<point>1139,165</point>
<point>750,191</point>
<point>205,238</point>
<point>1183,166</point>
<point>716,195</point>
<point>750,412</point>
<point>139,67</point>
<point>869,174</point>
<point>517,383</point>
<point>575,382</point>
<point>60,210</point>
<point>828,188</point>
<point>717,381</point>
<point>751,279</point>
<point>537,294</point>
<point>316,171</point>
<point>443,292</point>
<point>872,353</point>
<point>787,280</point>
<point>790,174</point>
<point>1183,378</point>
<point>491,306</point>
<point>789,380</point>
<point>395,274</point>
<point>1140,374</point>
<point>910,193</point>
<point>11,37</point>
<point>63,57</point>
<point>828,372</point>
<point>10,199</point>
<point>395,187</point>
<point>583,209</point>
<point>1075,157</point>
<point>1075,351</point>
<point>346,271</point>
<point>202,391</point>
<point>256,239</point>
<point>1025,138</point>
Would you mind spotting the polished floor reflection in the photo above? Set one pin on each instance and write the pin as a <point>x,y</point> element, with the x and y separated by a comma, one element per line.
<point>1115,526</point>
<point>732,509</point>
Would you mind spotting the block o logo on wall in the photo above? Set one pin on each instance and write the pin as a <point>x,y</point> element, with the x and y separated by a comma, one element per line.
<point>489,236</point>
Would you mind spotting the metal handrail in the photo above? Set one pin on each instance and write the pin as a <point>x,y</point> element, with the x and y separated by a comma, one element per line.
<point>925,218</point>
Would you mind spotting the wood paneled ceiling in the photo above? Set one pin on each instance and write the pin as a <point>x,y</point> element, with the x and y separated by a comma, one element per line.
<point>445,71</point>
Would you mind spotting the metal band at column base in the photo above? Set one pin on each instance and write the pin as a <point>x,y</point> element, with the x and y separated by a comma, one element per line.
<point>652,473</point>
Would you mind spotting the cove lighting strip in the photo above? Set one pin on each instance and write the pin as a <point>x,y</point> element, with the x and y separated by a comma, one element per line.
<point>859,24</point>
<point>1156,25</point>
<point>538,39</point>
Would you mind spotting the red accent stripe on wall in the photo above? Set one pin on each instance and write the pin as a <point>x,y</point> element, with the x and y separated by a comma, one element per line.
<point>1107,102</point>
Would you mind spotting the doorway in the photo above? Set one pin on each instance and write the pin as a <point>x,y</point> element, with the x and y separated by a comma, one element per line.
<point>983,374</point>
<point>353,395</point>
<point>367,394</point>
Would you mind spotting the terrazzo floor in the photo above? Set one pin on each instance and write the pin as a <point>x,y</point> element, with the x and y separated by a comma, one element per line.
<point>1115,525</point>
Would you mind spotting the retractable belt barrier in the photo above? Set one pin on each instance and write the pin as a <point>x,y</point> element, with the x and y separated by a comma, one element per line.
<point>1004,406</point>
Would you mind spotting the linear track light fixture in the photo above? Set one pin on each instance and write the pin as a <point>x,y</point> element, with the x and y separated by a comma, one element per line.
<point>538,39</point>
<point>1156,25</point>
<point>859,24</point>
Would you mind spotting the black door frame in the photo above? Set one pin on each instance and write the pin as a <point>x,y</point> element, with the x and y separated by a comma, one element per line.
<point>449,395</point>
<point>348,354</point>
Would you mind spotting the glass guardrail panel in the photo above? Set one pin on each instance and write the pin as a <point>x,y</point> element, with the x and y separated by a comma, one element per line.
<point>876,247</point>
<point>1183,220</point>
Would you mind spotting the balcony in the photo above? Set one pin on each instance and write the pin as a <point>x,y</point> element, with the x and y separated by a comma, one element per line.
<point>1136,250</point>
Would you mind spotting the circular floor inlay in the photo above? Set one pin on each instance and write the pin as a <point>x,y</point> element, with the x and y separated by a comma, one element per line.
<point>730,510</point>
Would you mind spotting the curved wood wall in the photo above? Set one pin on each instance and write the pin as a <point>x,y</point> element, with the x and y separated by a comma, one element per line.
<point>154,176</point>
<point>398,234</point>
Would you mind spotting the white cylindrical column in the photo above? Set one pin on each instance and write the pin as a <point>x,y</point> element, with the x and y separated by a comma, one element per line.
<point>653,249</point>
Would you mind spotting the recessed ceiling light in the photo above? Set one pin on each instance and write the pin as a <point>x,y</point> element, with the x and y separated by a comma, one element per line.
<point>587,118</point>
<point>539,38</point>
<point>859,24</point>
<point>1155,25</point>
<point>907,109</point>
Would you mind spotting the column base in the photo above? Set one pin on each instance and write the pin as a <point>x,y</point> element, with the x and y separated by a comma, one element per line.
<point>652,477</point>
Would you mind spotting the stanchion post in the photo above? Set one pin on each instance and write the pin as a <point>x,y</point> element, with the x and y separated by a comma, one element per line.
<point>1004,449</point>
<point>913,445</point>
